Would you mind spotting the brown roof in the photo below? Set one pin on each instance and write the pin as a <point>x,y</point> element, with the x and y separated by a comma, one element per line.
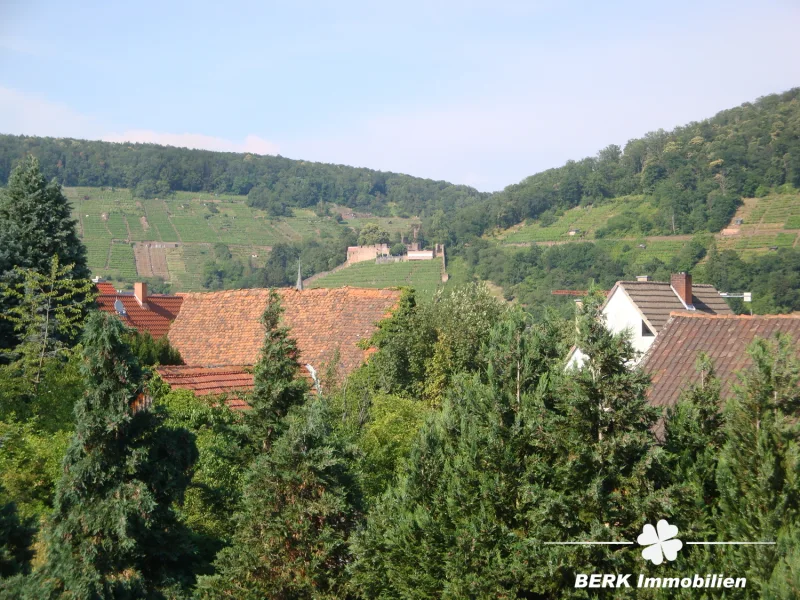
<point>159,311</point>
<point>208,380</point>
<point>656,300</point>
<point>223,328</point>
<point>670,361</point>
<point>234,382</point>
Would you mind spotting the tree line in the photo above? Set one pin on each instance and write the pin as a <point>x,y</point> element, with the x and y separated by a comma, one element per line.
<point>273,183</point>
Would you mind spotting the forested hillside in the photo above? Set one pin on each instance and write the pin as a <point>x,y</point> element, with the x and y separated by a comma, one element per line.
<point>653,207</point>
<point>693,176</point>
<point>270,182</point>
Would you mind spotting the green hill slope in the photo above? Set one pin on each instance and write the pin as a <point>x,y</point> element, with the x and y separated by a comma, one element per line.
<point>173,238</point>
<point>425,276</point>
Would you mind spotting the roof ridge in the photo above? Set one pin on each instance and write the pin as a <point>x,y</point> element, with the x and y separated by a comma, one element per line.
<point>711,285</point>
<point>690,315</point>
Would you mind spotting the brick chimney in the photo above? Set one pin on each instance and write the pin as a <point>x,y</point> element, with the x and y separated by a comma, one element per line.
<point>140,293</point>
<point>682,286</point>
<point>643,278</point>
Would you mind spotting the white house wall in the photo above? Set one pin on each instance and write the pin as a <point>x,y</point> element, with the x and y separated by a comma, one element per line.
<point>621,314</point>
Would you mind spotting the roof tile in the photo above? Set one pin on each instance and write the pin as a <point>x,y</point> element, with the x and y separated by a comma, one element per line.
<point>670,361</point>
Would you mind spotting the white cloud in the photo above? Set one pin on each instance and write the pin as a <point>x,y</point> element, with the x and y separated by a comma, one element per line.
<point>252,143</point>
<point>22,113</point>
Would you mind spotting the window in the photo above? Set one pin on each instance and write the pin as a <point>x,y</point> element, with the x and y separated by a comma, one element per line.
<point>646,332</point>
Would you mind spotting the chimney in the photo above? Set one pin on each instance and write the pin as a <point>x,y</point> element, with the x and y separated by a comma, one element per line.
<point>140,293</point>
<point>643,278</point>
<point>682,286</point>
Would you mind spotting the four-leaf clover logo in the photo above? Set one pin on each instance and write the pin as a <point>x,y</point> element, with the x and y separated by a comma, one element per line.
<point>659,543</point>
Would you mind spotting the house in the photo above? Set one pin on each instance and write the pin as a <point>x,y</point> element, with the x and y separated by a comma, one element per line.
<point>644,307</point>
<point>152,313</point>
<point>219,334</point>
<point>670,362</point>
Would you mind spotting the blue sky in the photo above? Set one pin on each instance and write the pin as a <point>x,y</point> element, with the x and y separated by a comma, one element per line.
<point>482,93</point>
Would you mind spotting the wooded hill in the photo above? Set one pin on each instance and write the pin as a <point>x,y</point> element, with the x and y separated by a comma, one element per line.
<point>270,182</point>
<point>692,178</point>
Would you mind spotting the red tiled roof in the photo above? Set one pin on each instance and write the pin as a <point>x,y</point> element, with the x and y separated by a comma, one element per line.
<point>208,380</point>
<point>155,317</point>
<point>670,361</point>
<point>233,382</point>
<point>223,328</point>
<point>105,287</point>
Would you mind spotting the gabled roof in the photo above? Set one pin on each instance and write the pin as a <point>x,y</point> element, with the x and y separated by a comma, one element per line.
<point>656,300</point>
<point>670,361</point>
<point>224,328</point>
<point>155,317</point>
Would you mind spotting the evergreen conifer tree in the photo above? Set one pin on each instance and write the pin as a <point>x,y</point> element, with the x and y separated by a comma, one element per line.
<point>277,386</point>
<point>113,533</point>
<point>693,438</point>
<point>455,526</point>
<point>602,483</point>
<point>300,504</point>
<point>35,224</point>
<point>759,467</point>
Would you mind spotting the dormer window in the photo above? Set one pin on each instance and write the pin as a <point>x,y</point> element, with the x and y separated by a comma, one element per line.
<point>646,331</point>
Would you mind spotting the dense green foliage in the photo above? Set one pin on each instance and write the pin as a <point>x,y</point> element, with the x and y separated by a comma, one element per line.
<point>37,232</point>
<point>214,492</point>
<point>436,470</point>
<point>113,532</point>
<point>149,351</point>
<point>301,501</point>
<point>15,540</point>
<point>270,182</point>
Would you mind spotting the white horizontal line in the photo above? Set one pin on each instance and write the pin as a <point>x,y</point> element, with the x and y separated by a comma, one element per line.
<point>586,543</point>
<point>734,543</point>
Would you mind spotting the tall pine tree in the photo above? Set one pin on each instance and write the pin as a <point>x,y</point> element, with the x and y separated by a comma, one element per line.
<point>35,224</point>
<point>602,484</point>
<point>277,386</point>
<point>759,466</point>
<point>113,533</point>
<point>693,438</point>
<point>301,503</point>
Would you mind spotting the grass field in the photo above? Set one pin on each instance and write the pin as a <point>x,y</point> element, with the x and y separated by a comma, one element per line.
<point>425,276</point>
<point>110,219</point>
